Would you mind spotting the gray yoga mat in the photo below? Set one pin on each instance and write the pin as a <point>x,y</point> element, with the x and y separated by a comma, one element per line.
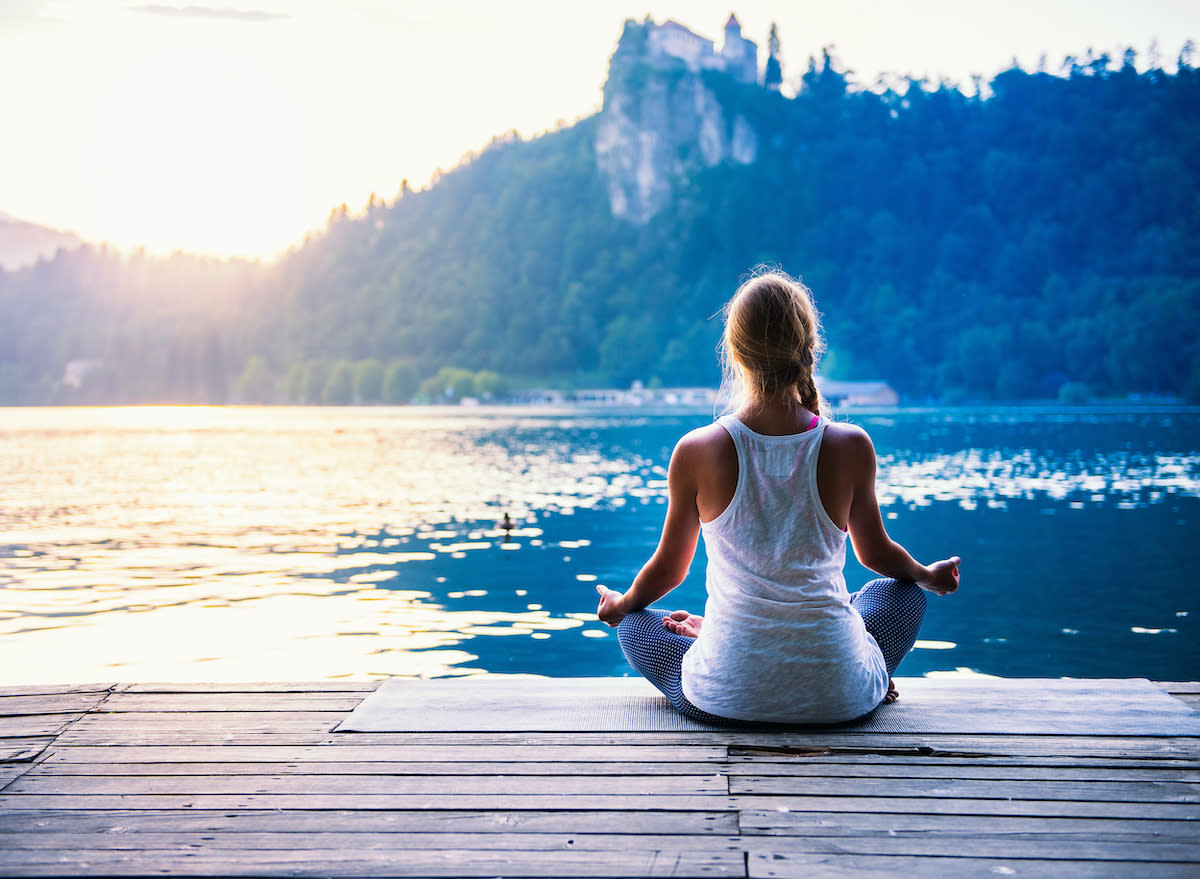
<point>974,706</point>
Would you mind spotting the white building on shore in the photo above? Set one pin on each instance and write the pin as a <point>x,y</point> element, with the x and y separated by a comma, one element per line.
<point>839,394</point>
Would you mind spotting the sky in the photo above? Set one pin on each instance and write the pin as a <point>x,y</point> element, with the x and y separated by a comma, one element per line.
<point>233,128</point>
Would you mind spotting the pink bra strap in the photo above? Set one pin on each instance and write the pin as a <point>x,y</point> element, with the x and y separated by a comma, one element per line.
<point>813,423</point>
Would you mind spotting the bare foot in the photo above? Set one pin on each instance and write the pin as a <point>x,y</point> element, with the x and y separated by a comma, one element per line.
<point>683,623</point>
<point>892,693</point>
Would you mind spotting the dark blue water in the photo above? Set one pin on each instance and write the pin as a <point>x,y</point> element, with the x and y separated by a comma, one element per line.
<point>1077,533</point>
<point>259,544</point>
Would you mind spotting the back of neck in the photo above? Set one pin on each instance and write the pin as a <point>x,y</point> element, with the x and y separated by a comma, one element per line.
<point>777,419</point>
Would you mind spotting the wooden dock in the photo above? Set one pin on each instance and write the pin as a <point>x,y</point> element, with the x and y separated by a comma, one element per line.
<point>250,780</point>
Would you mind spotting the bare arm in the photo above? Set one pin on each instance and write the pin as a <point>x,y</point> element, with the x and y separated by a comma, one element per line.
<point>874,548</point>
<point>669,565</point>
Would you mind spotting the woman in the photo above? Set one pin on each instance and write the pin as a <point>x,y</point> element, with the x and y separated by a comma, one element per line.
<point>775,488</point>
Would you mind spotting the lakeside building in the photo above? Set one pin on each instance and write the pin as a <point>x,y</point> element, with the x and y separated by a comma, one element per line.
<point>872,393</point>
<point>637,395</point>
<point>837,393</point>
<point>77,371</point>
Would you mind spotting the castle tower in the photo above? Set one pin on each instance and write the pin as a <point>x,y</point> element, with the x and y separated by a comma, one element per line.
<point>739,56</point>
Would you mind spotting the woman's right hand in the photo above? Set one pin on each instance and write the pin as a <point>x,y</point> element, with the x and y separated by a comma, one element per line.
<point>943,576</point>
<point>612,607</point>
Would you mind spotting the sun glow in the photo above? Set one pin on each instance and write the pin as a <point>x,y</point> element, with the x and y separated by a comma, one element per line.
<point>203,145</point>
<point>235,127</point>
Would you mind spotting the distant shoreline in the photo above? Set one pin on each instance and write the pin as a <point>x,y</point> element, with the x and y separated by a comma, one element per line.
<point>1149,407</point>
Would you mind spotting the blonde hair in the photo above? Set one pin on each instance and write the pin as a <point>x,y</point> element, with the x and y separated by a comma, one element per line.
<point>772,343</point>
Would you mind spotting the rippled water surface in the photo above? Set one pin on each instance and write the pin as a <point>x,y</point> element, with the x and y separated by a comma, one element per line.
<point>245,544</point>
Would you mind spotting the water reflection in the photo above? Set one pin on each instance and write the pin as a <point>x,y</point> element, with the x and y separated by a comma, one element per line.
<point>240,544</point>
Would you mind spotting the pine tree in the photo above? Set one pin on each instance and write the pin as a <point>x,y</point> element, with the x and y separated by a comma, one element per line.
<point>773,77</point>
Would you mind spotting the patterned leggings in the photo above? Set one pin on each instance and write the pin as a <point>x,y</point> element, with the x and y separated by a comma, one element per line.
<point>891,610</point>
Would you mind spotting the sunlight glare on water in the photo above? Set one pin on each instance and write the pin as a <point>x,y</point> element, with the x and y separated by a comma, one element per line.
<point>194,543</point>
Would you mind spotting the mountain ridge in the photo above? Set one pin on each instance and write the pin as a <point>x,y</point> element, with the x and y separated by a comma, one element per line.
<point>1041,241</point>
<point>22,243</point>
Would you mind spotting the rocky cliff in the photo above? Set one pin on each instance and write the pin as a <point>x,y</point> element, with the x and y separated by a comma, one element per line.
<point>662,121</point>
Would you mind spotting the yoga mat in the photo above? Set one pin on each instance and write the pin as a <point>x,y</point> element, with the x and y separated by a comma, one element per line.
<point>1029,706</point>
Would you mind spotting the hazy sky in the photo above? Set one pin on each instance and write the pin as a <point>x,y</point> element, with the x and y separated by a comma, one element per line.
<point>233,128</point>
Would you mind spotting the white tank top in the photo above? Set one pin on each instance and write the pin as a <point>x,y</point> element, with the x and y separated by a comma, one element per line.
<point>780,641</point>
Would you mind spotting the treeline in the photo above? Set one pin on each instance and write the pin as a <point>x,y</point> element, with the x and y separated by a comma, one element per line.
<point>345,382</point>
<point>92,325</point>
<point>1039,239</point>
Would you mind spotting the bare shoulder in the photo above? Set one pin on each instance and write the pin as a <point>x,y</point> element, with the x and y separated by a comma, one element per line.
<point>705,465</point>
<point>849,437</point>
<point>849,446</point>
<point>705,443</point>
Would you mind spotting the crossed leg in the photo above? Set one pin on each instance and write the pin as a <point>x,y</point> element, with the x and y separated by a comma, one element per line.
<point>655,641</point>
<point>892,611</point>
<point>657,655</point>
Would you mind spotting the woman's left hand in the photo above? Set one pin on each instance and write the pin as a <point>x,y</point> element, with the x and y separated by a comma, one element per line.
<point>612,606</point>
<point>683,623</point>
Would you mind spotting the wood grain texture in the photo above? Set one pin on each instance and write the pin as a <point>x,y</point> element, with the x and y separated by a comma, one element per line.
<point>50,703</point>
<point>21,825</point>
<point>838,865</point>
<point>246,780</point>
<point>211,861</point>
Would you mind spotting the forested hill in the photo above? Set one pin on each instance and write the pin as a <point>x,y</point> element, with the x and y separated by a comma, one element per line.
<point>1042,239</point>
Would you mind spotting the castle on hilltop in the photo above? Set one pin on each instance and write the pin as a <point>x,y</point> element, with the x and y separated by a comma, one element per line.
<point>663,120</point>
<point>671,42</point>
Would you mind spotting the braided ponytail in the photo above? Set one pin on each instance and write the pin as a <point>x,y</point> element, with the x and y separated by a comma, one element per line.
<point>806,385</point>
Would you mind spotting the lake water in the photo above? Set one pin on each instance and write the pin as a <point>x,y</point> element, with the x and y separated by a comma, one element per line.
<point>238,544</point>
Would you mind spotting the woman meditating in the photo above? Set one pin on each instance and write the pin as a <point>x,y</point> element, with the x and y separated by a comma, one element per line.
<point>775,488</point>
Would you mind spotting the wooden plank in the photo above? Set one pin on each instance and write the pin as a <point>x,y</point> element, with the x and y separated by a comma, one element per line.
<point>153,723</point>
<point>742,757</point>
<point>389,785</point>
<point>753,823</point>
<point>957,769</point>
<point>32,726</point>
<point>52,689</point>
<point>960,806</point>
<point>54,703</point>
<point>988,847</point>
<point>198,727</point>
<point>569,784</point>
<point>627,862</point>
<point>627,802</point>
<point>384,753</point>
<point>51,767</point>
<point>397,840</point>
<point>172,703</point>
<point>9,772</point>
<point>500,820</point>
<point>959,744</point>
<point>455,801</point>
<point>23,750</point>
<point>771,822</point>
<point>235,719</point>
<point>824,865</point>
<point>877,743</point>
<point>1128,747</point>
<point>307,769</point>
<point>331,686</point>
<point>968,788</point>
<point>1175,688</point>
